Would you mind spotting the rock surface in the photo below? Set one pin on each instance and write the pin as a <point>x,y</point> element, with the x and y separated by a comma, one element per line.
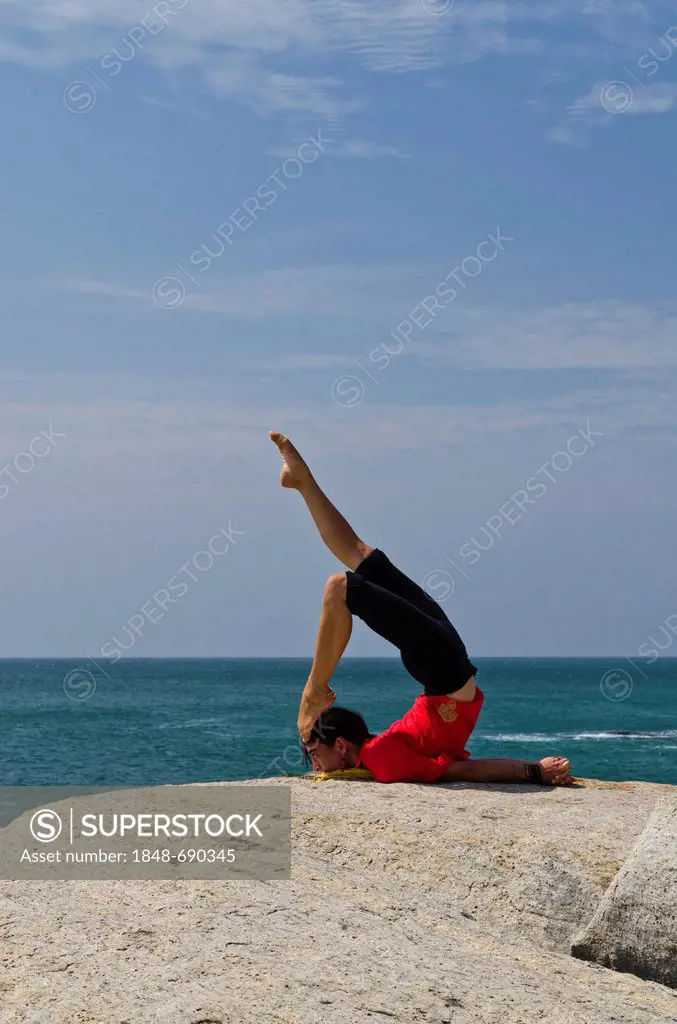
<point>635,926</point>
<point>408,904</point>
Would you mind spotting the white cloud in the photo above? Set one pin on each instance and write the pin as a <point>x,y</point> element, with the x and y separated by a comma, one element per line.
<point>607,100</point>
<point>619,97</point>
<point>273,92</point>
<point>245,50</point>
<point>357,149</point>
<point>365,149</point>
<point>306,361</point>
<point>178,108</point>
<point>386,34</point>
<point>592,335</point>
<point>106,289</point>
<point>605,334</point>
<point>105,416</point>
<point>567,135</point>
<point>345,291</point>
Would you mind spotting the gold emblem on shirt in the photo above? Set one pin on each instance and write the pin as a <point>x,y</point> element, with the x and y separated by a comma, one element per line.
<point>448,711</point>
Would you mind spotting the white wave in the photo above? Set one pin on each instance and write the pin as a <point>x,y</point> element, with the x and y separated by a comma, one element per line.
<point>521,737</point>
<point>664,734</point>
<point>535,737</point>
<point>193,723</point>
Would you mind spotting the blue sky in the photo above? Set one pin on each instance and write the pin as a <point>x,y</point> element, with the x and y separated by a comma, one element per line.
<point>134,131</point>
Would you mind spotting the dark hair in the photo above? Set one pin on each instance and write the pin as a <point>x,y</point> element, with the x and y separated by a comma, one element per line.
<point>335,722</point>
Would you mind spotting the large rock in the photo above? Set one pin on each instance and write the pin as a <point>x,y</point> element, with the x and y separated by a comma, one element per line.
<point>408,905</point>
<point>635,925</point>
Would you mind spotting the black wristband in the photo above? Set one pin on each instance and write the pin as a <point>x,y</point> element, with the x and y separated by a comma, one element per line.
<point>535,775</point>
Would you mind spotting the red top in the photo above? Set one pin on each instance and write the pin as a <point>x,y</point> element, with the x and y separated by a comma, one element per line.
<point>422,744</point>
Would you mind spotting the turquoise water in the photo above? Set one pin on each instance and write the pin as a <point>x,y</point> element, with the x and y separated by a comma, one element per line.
<point>173,721</point>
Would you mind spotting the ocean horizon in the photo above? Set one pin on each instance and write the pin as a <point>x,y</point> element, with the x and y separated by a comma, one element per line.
<point>150,721</point>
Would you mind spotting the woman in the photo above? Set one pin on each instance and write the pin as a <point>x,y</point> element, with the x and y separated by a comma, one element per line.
<point>428,743</point>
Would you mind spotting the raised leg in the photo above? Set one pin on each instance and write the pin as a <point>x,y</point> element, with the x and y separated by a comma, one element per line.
<point>336,625</point>
<point>336,532</point>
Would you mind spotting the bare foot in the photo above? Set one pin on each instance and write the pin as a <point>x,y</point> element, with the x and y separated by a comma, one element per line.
<point>313,703</point>
<point>294,469</point>
<point>556,771</point>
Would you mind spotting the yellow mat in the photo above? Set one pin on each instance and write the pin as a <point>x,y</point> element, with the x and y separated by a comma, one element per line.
<point>347,773</point>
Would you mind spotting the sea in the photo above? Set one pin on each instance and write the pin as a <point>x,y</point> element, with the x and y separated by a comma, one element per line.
<point>152,722</point>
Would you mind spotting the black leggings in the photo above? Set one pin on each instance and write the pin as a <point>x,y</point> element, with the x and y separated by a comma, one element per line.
<point>400,611</point>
